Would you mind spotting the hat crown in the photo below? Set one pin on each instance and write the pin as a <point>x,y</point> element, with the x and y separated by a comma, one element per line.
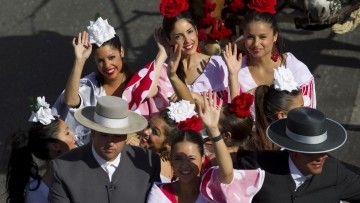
<point>112,107</point>
<point>306,122</point>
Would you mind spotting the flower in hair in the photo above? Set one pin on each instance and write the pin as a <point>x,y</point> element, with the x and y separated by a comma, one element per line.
<point>41,112</point>
<point>236,5</point>
<point>194,124</point>
<point>172,8</point>
<point>262,6</point>
<point>100,31</point>
<point>284,79</point>
<point>209,6</point>
<point>181,110</point>
<point>219,31</point>
<point>241,104</point>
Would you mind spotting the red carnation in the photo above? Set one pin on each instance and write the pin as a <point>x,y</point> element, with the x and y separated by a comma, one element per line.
<point>240,105</point>
<point>172,8</point>
<point>207,21</point>
<point>236,5</point>
<point>219,31</point>
<point>263,6</point>
<point>194,124</point>
<point>202,35</point>
<point>208,6</point>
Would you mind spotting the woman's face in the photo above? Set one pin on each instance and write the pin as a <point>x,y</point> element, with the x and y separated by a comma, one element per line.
<point>259,39</point>
<point>109,61</point>
<point>186,161</point>
<point>155,135</point>
<point>185,35</point>
<point>66,136</point>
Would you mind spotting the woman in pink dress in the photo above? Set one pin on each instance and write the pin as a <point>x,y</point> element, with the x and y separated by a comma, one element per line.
<point>261,40</point>
<point>217,184</point>
<point>198,71</point>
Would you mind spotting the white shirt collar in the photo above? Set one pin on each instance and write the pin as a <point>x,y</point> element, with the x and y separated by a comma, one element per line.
<point>102,162</point>
<point>296,174</point>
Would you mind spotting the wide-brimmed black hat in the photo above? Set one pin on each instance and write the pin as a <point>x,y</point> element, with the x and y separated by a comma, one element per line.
<point>307,130</point>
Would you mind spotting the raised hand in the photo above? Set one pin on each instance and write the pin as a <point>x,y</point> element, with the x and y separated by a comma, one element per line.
<point>232,58</point>
<point>162,42</point>
<point>82,46</point>
<point>174,60</point>
<point>210,113</point>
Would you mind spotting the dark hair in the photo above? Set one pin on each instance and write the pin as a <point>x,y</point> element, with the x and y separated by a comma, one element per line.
<point>171,127</point>
<point>21,166</point>
<point>168,23</point>
<point>268,102</point>
<point>240,128</point>
<point>267,18</point>
<point>115,43</point>
<point>189,136</point>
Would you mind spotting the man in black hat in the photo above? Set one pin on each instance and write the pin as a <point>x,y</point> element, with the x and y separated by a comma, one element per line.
<point>303,172</point>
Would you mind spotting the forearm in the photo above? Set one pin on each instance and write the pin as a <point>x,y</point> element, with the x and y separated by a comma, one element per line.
<point>158,65</point>
<point>180,88</point>
<point>233,85</point>
<point>71,94</point>
<point>223,157</point>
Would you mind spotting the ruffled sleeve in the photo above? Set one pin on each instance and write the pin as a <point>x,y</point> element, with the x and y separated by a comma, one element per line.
<point>308,93</point>
<point>157,195</point>
<point>243,187</point>
<point>304,78</point>
<point>89,91</point>
<point>137,91</point>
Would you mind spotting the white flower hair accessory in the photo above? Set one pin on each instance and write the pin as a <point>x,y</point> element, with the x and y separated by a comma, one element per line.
<point>284,79</point>
<point>41,111</point>
<point>100,31</point>
<point>181,110</point>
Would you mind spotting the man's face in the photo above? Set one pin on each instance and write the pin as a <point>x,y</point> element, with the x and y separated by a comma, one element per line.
<point>108,146</point>
<point>309,163</point>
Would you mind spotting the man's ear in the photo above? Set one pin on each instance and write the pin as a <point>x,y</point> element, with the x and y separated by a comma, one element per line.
<point>227,135</point>
<point>281,115</point>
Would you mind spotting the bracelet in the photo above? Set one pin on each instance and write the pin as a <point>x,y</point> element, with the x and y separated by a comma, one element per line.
<point>217,138</point>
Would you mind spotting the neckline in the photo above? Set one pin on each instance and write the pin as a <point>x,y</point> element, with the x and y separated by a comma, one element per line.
<point>247,68</point>
<point>207,63</point>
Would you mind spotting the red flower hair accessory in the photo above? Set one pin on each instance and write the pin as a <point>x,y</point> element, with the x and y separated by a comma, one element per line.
<point>263,6</point>
<point>240,105</point>
<point>172,8</point>
<point>194,124</point>
<point>209,6</point>
<point>219,31</point>
<point>236,5</point>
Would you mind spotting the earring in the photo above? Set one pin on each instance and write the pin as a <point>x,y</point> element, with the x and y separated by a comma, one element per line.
<point>275,53</point>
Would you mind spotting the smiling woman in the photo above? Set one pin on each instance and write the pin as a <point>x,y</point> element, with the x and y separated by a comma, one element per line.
<point>112,77</point>
<point>194,182</point>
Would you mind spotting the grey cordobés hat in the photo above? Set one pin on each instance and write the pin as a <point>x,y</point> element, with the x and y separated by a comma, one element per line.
<point>307,130</point>
<point>111,116</point>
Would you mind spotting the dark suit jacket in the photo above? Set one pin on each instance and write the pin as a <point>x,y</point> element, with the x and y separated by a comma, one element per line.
<point>79,178</point>
<point>335,183</point>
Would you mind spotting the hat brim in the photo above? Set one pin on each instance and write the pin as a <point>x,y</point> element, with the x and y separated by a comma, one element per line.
<point>85,117</point>
<point>336,137</point>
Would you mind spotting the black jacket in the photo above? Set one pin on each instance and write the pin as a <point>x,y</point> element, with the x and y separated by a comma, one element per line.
<point>335,183</point>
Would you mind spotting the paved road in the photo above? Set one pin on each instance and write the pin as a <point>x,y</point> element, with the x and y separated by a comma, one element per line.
<point>36,57</point>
